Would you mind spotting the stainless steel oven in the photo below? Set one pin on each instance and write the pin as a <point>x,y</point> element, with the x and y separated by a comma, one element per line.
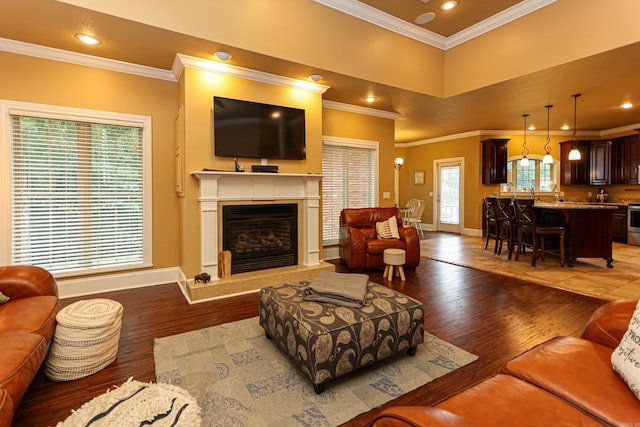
<point>633,224</point>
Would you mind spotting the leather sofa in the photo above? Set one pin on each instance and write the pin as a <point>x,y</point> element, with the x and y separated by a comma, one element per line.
<point>27,323</point>
<point>567,381</point>
<point>360,247</point>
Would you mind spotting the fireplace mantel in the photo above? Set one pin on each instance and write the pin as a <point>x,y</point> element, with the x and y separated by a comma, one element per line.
<point>216,187</point>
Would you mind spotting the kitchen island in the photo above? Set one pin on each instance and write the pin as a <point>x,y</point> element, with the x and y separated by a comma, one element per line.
<point>589,229</point>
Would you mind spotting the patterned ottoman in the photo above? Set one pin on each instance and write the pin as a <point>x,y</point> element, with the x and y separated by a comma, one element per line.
<point>326,341</point>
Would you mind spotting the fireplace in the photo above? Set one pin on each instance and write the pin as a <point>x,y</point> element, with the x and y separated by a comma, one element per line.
<point>219,189</point>
<point>260,236</point>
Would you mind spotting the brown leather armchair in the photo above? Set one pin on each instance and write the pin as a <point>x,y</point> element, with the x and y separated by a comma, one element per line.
<point>27,323</point>
<point>360,247</point>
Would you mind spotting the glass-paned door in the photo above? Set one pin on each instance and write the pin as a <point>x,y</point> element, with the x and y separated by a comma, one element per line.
<point>448,196</point>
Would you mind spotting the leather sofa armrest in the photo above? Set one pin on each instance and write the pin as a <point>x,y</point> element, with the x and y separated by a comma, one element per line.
<point>352,247</point>
<point>409,235</point>
<point>419,416</point>
<point>609,322</point>
<point>22,281</point>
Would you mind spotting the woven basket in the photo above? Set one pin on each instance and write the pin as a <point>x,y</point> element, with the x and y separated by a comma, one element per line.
<point>86,339</point>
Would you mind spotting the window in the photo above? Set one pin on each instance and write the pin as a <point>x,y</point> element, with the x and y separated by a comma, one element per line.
<point>79,192</point>
<point>537,175</point>
<point>349,180</point>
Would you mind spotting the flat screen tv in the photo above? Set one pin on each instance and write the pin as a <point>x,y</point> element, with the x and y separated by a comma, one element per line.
<point>255,130</point>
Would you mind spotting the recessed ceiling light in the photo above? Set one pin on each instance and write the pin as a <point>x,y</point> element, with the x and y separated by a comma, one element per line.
<point>565,127</point>
<point>627,105</point>
<point>316,77</point>
<point>370,98</point>
<point>424,18</point>
<point>532,127</point>
<point>87,39</point>
<point>222,55</point>
<point>448,5</point>
<point>425,1</point>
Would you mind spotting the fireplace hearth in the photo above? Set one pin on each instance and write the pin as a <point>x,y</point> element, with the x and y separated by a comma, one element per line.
<point>260,236</point>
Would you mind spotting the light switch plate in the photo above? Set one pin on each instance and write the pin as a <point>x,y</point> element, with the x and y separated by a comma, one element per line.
<point>386,195</point>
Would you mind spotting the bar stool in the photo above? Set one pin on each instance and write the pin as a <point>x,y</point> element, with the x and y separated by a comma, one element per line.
<point>528,224</point>
<point>508,226</point>
<point>492,219</point>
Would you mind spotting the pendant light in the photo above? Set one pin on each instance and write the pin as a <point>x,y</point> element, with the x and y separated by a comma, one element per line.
<point>574,154</point>
<point>547,149</point>
<point>524,161</point>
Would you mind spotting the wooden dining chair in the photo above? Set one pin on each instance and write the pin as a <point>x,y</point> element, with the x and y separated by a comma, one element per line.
<point>414,215</point>
<point>492,219</point>
<point>537,229</point>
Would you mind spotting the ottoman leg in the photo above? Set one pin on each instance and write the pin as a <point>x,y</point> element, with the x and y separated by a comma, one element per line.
<point>412,351</point>
<point>318,388</point>
<point>386,270</point>
<point>390,275</point>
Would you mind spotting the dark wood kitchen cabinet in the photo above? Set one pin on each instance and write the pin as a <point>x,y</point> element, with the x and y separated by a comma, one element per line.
<point>600,162</point>
<point>620,224</point>
<point>575,171</point>
<point>494,160</point>
<point>624,160</point>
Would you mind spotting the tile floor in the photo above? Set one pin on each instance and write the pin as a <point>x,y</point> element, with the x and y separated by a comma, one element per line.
<point>589,276</point>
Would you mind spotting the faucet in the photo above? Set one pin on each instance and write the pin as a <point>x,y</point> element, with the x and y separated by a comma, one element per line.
<point>533,189</point>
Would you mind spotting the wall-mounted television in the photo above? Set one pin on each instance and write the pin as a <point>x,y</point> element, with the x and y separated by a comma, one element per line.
<point>255,130</point>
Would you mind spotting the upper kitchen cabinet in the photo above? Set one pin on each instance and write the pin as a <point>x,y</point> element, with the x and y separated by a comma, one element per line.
<point>624,160</point>
<point>494,161</point>
<point>600,162</point>
<point>575,171</point>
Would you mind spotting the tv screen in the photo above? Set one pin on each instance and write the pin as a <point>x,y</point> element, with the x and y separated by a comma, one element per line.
<point>255,130</point>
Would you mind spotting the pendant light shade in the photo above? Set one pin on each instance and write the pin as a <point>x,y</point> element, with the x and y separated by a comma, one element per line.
<point>574,154</point>
<point>547,159</point>
<point>524,161</point>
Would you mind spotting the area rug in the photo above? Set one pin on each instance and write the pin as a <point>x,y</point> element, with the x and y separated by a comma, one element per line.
<point>137,404</point>
<point>240,378</point>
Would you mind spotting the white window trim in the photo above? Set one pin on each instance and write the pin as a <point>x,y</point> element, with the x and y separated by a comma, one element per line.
<point>8,107</point>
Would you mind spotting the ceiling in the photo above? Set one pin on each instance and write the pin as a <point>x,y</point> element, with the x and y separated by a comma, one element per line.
<point>51,23</point>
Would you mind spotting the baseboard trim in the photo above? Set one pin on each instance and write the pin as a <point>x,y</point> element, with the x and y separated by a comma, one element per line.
<point>68,288</point>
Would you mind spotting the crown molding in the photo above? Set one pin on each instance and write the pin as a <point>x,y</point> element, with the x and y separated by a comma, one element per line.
<point>185,61</point>
<point>621,129</point>
<point>384,20</point>
<point>389,22</point>
<point>487,132</point>
<point>53,54</point>
<point>504,17</point>
<point>350,108</point>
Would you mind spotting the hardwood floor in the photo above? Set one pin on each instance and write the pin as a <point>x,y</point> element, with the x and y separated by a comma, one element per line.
<point>493,316</point>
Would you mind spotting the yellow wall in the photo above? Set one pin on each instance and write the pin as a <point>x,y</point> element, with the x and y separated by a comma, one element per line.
<point>422,157</point>
<point>358,126</point>
<point>199,88</point>
<point>30,79</point>
<point>551,36</point>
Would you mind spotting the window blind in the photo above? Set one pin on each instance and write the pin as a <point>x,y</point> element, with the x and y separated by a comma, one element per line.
<point>76,194</point>
<point>349,181</point>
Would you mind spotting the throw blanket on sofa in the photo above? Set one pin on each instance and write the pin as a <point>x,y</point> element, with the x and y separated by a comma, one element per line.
<point>349,290</point>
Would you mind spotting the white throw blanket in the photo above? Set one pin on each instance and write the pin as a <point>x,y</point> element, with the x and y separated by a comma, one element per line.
<point>349,290</point>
